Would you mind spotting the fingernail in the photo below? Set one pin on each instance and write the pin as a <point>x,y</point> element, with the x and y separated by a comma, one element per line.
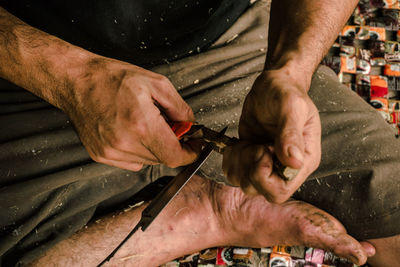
<point>290,173</point>
<point>370,253</point>
<point>294,152</point>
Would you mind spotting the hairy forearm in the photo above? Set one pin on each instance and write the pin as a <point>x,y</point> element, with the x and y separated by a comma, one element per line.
<point>302,31</point>
<point>41,63</point>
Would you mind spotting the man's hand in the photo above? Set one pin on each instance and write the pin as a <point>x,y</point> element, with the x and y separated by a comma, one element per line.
<point>278,117</point>
<point>120,112</point>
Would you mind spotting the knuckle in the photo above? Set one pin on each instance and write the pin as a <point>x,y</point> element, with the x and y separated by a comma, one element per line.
<point>172,160</point>
<point>173,163</point>
<point>139,129</point>
<point>163,80</point>
<point>120,143</point>
<point>285,192</point>
<point>114,143</point>
<point>96,154</point>
<point>248,188</point>
<point>277,197</point>
<point>97,157</point>
<point>140,92</point>
<point>118,77</point>
<point>187,111</point>
<point>137,86</point>
<point>289,133</point>
<point>108,153</point>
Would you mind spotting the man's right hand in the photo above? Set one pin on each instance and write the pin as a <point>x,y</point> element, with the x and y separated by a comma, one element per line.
<point>120,110</point>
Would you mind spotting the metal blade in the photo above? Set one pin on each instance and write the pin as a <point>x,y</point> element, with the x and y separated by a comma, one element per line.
<point>174,186</point>
<point>219,141</point>
<point>166,195</point>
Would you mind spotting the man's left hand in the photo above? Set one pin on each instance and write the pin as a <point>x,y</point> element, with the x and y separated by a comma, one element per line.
<point>278,118</point>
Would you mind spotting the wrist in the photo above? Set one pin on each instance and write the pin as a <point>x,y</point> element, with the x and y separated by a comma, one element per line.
<point>69,69</point>
<point>290,73</point>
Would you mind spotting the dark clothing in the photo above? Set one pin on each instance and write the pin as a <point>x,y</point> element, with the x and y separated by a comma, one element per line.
<point>144,32</point>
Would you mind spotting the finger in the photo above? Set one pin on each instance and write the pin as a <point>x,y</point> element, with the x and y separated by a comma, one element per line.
<point>368,248</point>
<point>163,143</point>
<point>312,141</point>
<point>239,162</point>
<point>118,162</point>
<point>121,164</point>
<point>229,165</point>
<point>248,188</point>
<point>171,103</point>
<point>227,159</point>
<point>264,180</point>
<point>272,186</point>
<point>111,153</point>
<point>289,144</point>
<point>195,145</point>
<point>236,162</point>
<point>124,145</point>
<point>250,166</point>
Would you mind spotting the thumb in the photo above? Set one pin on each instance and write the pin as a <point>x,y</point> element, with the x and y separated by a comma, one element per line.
<point>289,144</point>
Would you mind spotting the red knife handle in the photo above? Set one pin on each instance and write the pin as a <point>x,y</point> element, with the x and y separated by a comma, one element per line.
<point>180,127</point>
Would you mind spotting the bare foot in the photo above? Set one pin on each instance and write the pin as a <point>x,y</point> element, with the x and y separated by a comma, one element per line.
<point>253,222</point>
<point>204,215</point>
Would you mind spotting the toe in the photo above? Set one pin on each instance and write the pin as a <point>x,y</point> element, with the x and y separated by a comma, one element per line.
<point>349,248</point>
<point>319,229</point>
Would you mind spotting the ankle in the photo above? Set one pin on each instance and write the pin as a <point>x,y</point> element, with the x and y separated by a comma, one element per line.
<point>238,215</point>
<point>197,212</point>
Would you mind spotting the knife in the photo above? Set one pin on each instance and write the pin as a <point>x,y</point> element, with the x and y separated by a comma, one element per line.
<point>150,213</point>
